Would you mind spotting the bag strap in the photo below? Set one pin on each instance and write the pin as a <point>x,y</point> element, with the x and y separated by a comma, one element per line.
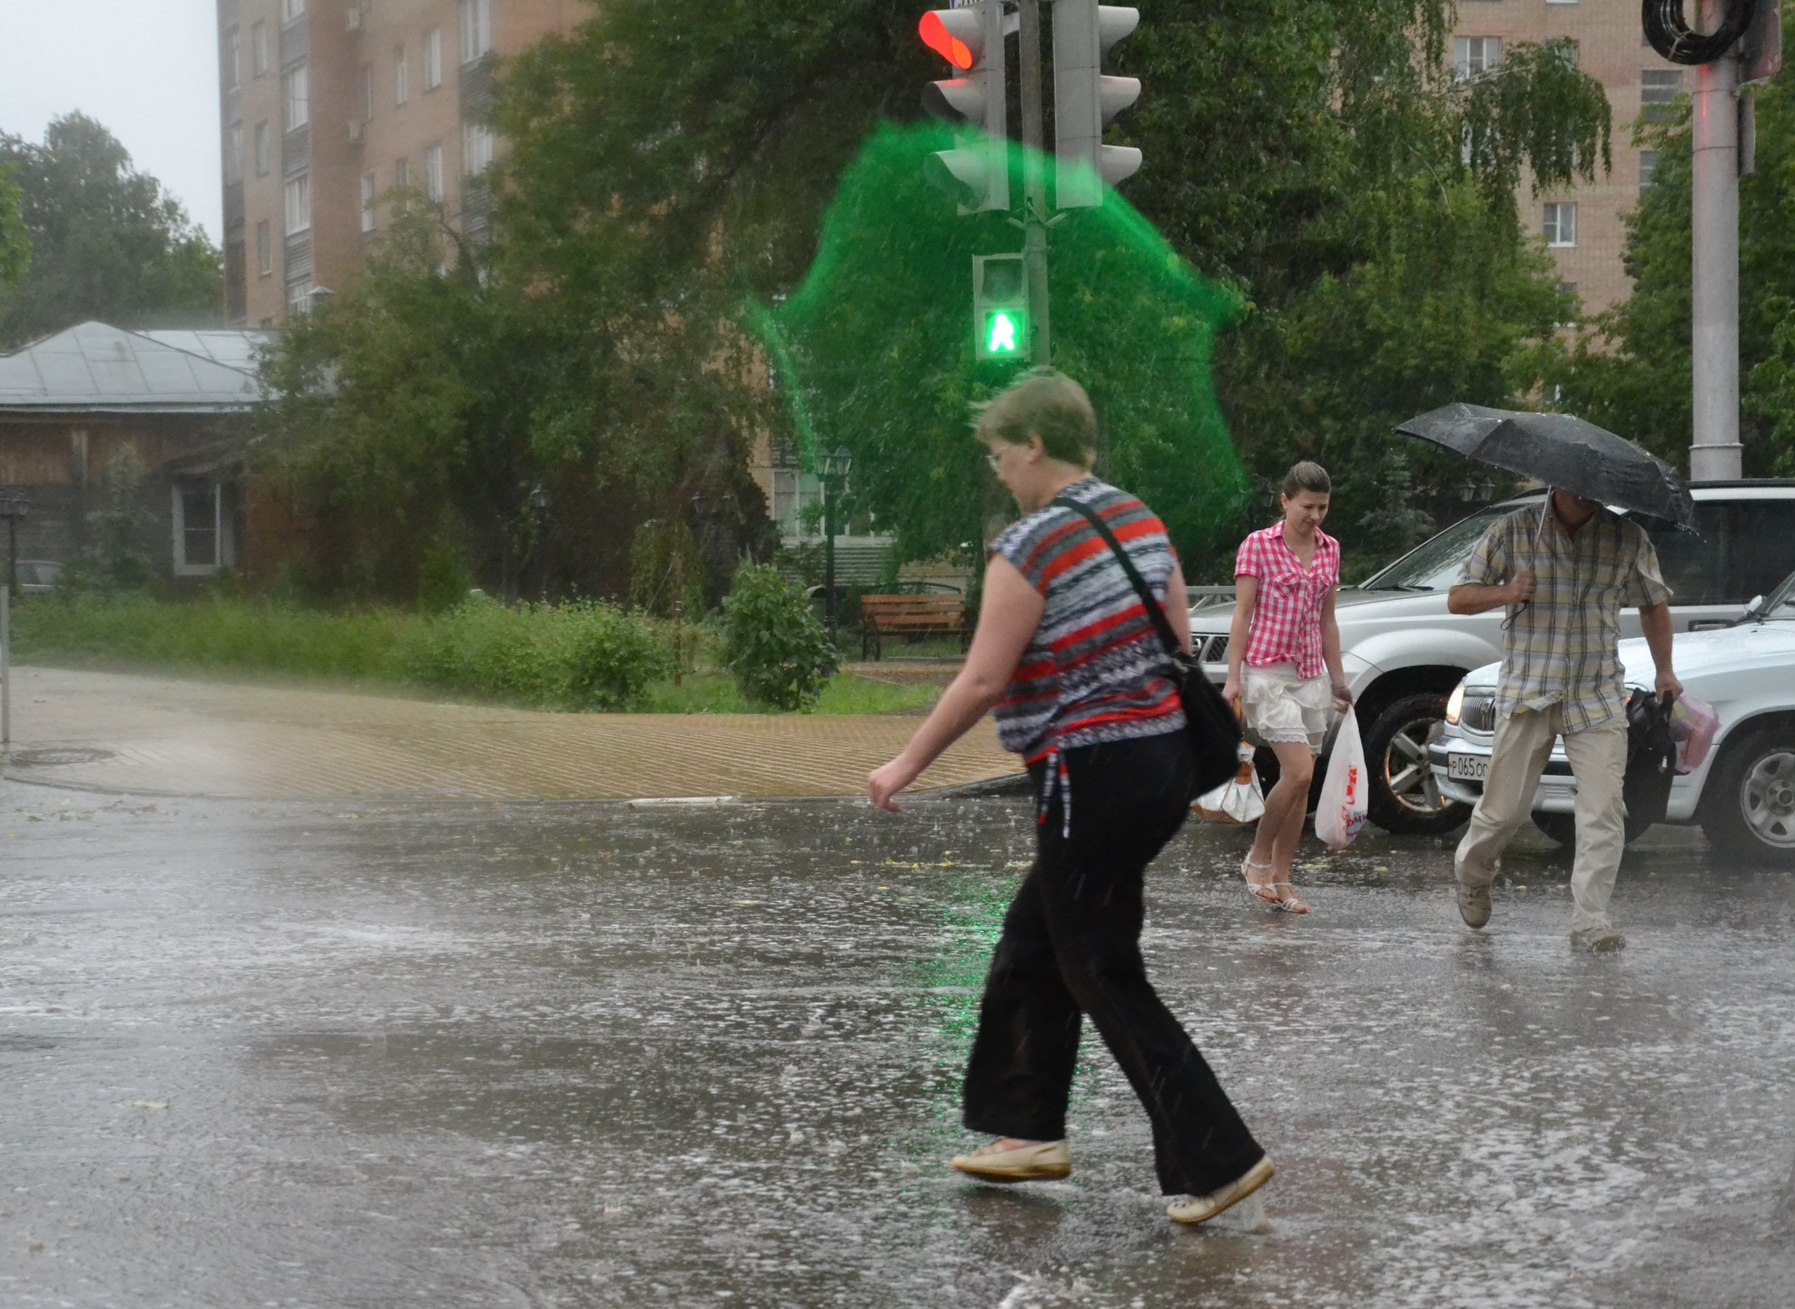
<point>1154,609</point>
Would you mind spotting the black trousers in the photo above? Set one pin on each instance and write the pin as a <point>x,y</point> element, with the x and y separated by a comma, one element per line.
<point>1071,946</point>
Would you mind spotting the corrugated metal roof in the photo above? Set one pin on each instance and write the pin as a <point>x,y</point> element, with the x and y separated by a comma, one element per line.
<point>94,366</point>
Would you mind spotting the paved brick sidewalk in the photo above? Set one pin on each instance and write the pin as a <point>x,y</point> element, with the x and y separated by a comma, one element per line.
<point>162,736</point>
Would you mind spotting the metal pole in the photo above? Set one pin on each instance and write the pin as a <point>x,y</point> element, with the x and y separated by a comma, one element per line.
<point>5,669</point>
<point>1714,450</point>
<point>1034,181</point>
<point>829,551</point>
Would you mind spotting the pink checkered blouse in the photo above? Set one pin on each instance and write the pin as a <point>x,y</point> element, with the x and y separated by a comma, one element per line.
<point>1287,614</point>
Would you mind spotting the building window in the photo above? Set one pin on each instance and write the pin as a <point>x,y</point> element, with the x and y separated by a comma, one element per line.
<point>401,76</point>
<point>202,529</point>
<point>296,84</point>
<point>476,149</point>
<point>1472,56</point>
<point>264,150</point>
<point>433,174</point>
<point>299,298</point>
<point>476,29</point>
<point>433,59</point>
<point>1567,305</point>
<point>1648,164</point>
<point>291,10</point>
<point>1658,91</point>
<point>299,204</point>
<point>233,60</point>
<point>1561,224</point>
<point>258,49</point>
<point>264,250</point>
<point>367,92</point>
<point>367,202</point>
<point>233,153</point>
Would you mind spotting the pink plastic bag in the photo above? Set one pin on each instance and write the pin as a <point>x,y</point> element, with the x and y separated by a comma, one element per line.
<point>1693,724</point>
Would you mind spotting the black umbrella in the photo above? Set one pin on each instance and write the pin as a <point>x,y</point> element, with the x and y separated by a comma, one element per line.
<point>1562,452</point>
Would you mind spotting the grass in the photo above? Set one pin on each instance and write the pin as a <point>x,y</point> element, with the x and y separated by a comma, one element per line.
<point>376,649</point>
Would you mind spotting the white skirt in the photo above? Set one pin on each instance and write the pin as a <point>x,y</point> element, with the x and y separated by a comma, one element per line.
<point>1283,708</point>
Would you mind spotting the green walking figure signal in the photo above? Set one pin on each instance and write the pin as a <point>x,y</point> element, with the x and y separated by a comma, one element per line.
<point>999,307</point>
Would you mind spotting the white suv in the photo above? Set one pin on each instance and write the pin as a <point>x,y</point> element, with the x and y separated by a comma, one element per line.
<point>1404,653</point>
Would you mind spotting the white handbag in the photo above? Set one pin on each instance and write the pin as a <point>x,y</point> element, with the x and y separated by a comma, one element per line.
<point>1237,800</point>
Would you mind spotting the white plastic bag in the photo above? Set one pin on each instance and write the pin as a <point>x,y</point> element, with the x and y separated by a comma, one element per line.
<point>1237,800</point>
<point>1342,812</point>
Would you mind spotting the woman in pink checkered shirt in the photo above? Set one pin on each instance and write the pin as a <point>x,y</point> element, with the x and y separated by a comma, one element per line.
<point>1284,671</point>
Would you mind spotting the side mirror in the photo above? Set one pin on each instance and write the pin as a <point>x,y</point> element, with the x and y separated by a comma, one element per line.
<point>1755,607</point>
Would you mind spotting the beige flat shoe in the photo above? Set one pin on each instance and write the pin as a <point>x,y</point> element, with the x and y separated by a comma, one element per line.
<point>1201,1208</point>
<point>1042,1161</point>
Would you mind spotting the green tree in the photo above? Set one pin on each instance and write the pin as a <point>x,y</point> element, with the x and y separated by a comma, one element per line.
<point>1632,371</point>
<point>15,245</point>
<point>106,242</point>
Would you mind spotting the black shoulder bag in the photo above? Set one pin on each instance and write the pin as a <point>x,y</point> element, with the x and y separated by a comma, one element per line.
<point>1214,730</point>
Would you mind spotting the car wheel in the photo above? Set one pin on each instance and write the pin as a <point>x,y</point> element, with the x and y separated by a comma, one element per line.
<point>1748,806</point>
<point>1562,828</point>
<point>1404,797</point>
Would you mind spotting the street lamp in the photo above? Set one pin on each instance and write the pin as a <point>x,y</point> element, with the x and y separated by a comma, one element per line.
<point>835,472</point>
<point>12,508</point>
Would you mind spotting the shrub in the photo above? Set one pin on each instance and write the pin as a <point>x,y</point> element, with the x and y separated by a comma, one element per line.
<point>611,657</point>
<point>774,645</point>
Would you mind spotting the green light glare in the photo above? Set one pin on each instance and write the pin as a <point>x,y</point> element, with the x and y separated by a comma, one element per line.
<point>1003,334</point>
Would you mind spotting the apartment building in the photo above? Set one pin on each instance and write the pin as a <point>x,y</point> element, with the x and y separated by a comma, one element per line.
<point>329,107</point>
<point>1583,225</point>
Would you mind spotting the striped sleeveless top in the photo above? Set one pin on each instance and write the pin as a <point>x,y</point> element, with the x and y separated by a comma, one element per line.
<point>1095,670</point>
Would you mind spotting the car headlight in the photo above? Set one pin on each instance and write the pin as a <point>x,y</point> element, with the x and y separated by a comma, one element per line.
<point>1455,704</point>
<point>1477,708</point>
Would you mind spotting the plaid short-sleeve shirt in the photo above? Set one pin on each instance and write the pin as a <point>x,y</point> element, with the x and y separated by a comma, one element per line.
<point>1287,613</point>
<point>1561,648</point>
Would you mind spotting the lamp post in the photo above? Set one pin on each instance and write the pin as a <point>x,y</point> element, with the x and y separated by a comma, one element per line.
<point>12,508</point>
<point>835,472</point>
<point>538,498</point>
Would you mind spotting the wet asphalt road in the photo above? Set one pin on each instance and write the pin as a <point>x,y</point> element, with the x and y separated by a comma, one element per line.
<point>303,1055</point>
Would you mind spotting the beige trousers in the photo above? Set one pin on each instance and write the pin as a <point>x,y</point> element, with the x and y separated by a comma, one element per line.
<point>1599,763</point>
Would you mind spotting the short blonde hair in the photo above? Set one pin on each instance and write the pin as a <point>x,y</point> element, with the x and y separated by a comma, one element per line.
<point>1042,402</point>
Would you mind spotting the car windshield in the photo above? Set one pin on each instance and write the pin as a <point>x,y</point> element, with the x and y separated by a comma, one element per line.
<point>1779,605</point>
<point>1433,565</point>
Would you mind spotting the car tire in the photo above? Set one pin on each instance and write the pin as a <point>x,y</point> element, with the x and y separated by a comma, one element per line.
<point>1404,798</point>
<point>1562,828</point>
<point>1748,804</point>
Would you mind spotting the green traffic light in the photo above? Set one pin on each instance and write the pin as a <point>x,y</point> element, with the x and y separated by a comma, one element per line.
<point>1003,333</point>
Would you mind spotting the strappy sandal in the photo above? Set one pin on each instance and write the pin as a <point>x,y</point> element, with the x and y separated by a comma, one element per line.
<point>1264,892</point>
<point>1292,903</point>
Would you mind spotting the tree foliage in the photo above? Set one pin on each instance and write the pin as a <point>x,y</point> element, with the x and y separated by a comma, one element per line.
<point>105,241</point>
<point>15,244</point>
<point>1633,371</point>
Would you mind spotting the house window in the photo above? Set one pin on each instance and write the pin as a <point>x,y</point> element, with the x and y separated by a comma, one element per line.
<point>202,529</point>
<point>233,153</point>
<point>264,250</point>
<point>476,149</point>
<point>367,202</point>
<point>1473,56</point>
<point>433,59</point>
<point>433,174</point>
<point>299,204</point>
<point>258,49</point>
<point>476,29</point>
<point>233,60</point>
<point>296,84</point>
<point>264,150</point>
<point>1648,164</point>
<point>1567,305</point>
<point>401,76</point>
<point>291,10</point>
<point>367,92</point>
<point>1561,224</point>
<point>1658,91</point>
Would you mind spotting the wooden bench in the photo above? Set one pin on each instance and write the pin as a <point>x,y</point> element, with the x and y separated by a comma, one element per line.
<point>912,616</point>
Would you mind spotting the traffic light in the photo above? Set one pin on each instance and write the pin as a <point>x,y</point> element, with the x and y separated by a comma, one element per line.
<point>999,307</point>
<point>1084,100</point>
<point>977,174</point>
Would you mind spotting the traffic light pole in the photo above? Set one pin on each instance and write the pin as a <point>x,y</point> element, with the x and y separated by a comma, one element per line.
<point>1715,451</point>
<point>1034,181</point>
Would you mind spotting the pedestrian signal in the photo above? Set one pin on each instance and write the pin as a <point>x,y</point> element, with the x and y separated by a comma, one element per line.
<point>999,307</point>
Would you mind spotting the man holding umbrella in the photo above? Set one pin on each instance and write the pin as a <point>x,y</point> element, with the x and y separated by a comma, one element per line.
<point>1564,571</point>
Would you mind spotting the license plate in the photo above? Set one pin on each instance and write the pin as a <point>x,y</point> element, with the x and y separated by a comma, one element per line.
<point>1467,767</point>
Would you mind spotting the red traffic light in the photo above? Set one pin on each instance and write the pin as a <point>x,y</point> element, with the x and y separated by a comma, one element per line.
<point>943,42</point>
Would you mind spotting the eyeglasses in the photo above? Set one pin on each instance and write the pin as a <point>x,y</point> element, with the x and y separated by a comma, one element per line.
<point>994,458</point>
